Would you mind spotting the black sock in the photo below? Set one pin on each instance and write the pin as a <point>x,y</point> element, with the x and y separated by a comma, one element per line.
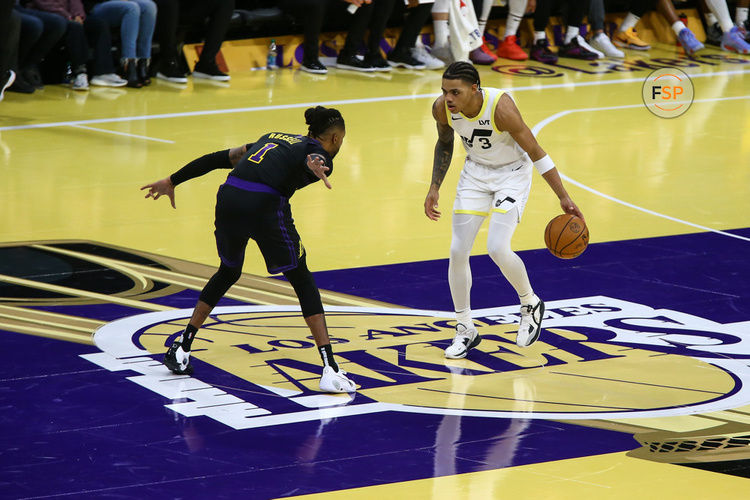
<point>326,354</point>
<point>187,337</point>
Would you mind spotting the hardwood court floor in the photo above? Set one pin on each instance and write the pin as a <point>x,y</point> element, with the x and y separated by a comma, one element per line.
<point>643,364</point>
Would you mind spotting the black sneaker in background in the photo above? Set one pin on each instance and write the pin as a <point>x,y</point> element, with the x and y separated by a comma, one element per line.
<point>31,74</point>
<point>378,63</point>
<point>404,60</point>
<point>574,50</point>
<point>353,63</point>
<point>171,72</point>
<point>21,85</point>
<point>714,34</point>
<point>209,71</point>
<point>314,66</point>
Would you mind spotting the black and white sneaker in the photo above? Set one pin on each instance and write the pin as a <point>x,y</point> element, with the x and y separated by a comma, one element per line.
<point>465,339</point>
<point>209,71</point>
<point>531,322</point>
<point>6,81</point>
<point>714,34</point>
<point>378,63</point>
<point>405,60</point>
<point>177,360</point>
<point>354,63</point>
<point>170,71</point>
<point>314,66</point>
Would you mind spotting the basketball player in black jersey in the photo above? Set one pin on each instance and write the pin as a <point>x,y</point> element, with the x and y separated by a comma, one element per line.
<point>254,203</point>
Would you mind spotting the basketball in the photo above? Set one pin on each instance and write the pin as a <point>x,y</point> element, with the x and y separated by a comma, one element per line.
<point>566,236</point>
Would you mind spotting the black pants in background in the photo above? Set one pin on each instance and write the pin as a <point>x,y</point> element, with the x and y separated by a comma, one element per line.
<point>173,13</point>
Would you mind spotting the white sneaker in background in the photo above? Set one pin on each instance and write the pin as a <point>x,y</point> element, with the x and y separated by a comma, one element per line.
<point>602,43</point>
<point>108,80</point>
<point>583,43</point>
<point>420,54</point>
<point>80,82</point>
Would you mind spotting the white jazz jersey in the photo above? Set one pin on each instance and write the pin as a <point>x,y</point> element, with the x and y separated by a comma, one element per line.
<point>483,142</point>
<point>497,173</point>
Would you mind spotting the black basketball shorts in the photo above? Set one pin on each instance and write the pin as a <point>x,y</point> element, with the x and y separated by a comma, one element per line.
<point>247,210</point>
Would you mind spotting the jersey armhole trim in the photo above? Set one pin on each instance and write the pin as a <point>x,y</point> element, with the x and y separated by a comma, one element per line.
<point>494,108</point>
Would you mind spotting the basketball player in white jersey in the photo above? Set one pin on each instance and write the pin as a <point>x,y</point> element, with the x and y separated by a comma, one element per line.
<point>495,183</point>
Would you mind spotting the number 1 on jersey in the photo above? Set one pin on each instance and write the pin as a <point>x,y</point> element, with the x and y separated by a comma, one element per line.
<point>257,157</point>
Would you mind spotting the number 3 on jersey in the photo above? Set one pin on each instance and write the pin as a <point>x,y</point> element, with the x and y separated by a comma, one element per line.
<point>481,135</point>
<point>257,157</point>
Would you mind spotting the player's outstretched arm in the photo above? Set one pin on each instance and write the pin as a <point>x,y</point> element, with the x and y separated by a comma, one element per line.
<point>227,158</point>
<point>508,118</point>
<point>442,159</point>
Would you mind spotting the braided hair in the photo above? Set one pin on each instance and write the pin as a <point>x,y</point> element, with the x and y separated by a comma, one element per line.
<point>320,119</point>
<point>460,70</point>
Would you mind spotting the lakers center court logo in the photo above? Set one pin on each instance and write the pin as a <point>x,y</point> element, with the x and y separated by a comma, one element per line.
<point>597,357</point>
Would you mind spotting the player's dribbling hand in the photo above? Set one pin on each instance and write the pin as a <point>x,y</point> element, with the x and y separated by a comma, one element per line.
<point>159,188</point>
<point>431,204</point>
<point>316,164</point>
<point>569,207</point>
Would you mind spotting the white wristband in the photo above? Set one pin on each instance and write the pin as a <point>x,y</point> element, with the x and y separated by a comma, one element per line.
<point>544,165</point>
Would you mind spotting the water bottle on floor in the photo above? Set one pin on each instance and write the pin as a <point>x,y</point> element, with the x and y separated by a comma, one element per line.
<point>271,58</point>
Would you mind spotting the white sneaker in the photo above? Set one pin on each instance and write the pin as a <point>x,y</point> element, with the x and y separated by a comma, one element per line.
<point>531,323</point>
<point>442,52</point>
<point>465,339</point>
<point>602,43</point>
<point>81,82</point>
<point>583,43</point>
<point>420,54</point>
<point>178,360</point>
<point>108,80</point>
<point>332,381</point>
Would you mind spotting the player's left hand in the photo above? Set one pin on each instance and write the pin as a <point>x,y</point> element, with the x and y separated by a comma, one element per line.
<point>316,164</point>
<point>569,207</point>
<point>159,188</point>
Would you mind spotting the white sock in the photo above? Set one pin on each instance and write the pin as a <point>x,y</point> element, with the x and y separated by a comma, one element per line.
<point>482,21</point>
<point>571,34</point>
<point>721,11</point>
<point>711,19</point>
<point>516,10</point>
<point>441,32</point>
<point>740,15</point>
<point>540,35</point>
<point>677,27</point>
<point>464,317</point>
<point>527,299</point>
<point>630,21</point>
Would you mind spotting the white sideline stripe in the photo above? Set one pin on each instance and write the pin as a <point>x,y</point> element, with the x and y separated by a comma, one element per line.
<point>209,112</point>
<point>122,133</point>
<point>539,126</point>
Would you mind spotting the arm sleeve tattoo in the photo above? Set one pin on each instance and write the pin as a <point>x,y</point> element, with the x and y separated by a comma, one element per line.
<point>443,153</point>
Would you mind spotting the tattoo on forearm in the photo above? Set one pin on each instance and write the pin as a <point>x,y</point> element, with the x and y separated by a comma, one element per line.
<point>443,155</point>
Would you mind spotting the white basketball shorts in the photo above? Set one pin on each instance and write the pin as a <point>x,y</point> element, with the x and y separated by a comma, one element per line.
<point>482,189</point>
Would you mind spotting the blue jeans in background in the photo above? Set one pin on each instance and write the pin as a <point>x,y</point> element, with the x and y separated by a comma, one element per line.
<point>136,19</point>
